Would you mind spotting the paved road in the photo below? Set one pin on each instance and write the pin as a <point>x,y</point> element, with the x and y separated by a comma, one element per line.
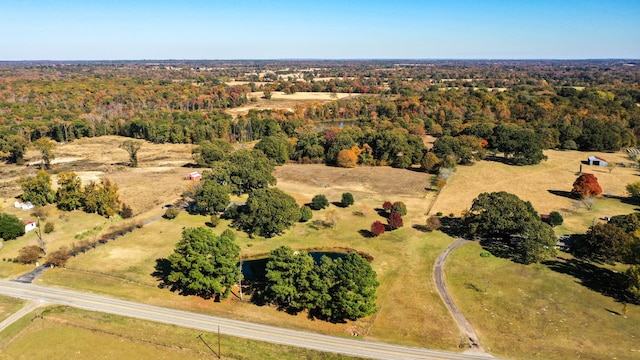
<point>347,346</point>
<point>30,306</point>
<point>463,324</point>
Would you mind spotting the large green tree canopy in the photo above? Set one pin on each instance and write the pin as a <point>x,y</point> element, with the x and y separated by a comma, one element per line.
<point>268,212</point>
<point>37,189</point>
<point>243,171</point>
<point>204,264</point>
<point>10,227</point>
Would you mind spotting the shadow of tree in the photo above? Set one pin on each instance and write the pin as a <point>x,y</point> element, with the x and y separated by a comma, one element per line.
<point>499,249</point>
<point>366,233</point>
<point>566,194</point>
<point>452,226</point>
<point>421,228</point>
<point>604,281</point>
<point>161,273</point>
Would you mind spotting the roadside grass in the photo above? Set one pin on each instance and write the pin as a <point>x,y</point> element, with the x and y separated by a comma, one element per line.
<point>534,312</point>
<point>410,311</point>
<point>8,306</point>
<point>77,334</point>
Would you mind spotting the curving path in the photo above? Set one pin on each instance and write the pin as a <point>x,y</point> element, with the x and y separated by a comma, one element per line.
<point>463,323</point>
<point>243,329</point>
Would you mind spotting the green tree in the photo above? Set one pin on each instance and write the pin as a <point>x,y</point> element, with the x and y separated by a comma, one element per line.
<point>499,215</point>
<point>268,212</point>
<point>275,147</point>
<point>347,199</point>
<point>352,285</point>
<point>16,146</point>
<point>536,243</point>
<point>45,146</point>
<point>69,194</point>
<point>132,147</point>
<point>244,171</point>
<point>204,264</point>
<point>305,213</point>
<point>634,190</point>
<point>211,197</point>
<point>101,198</point>
<point>399,207</point>
<point>292,282</point>
<point>429,161</point>
<point>633,283</point>
<point>555,219</point>
<point>319,202</point>
<point>210,151</point>
<point>37,189</point>
<point>10,227</point>
<point>605,242</point>
<point>171,213</point>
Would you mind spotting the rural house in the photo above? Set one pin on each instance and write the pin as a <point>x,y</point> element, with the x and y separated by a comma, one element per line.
<point>194,176</point>
<point>29,225</point>
<point>598,161</point>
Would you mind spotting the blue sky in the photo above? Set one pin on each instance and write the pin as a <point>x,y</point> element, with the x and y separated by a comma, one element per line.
<point>330,29</point>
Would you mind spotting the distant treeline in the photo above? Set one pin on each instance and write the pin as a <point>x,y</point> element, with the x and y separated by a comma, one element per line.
<point>66,103</point>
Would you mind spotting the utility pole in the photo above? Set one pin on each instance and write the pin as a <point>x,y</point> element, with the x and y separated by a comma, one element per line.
<point>210,348</point>
<point>240,279</point>
<point>41,242</point>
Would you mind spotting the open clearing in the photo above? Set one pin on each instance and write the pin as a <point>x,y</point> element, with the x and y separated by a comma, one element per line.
<point>281,101</point>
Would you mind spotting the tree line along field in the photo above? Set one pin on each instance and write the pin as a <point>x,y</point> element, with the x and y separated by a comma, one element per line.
<point>388,129</point>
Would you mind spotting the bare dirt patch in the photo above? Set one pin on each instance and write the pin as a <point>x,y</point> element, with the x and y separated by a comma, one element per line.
<point>281,101</point>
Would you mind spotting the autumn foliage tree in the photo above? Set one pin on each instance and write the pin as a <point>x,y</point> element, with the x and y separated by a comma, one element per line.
<point>387,205</point>
<point>586,185</point>
<point>395,220</point>
<point>377,228</point>
<point>348,157</point>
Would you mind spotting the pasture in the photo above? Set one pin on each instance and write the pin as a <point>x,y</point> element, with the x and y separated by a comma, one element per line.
<point>409,309</point>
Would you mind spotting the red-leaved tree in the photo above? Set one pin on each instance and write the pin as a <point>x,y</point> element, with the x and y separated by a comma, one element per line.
<point>395,220</point>
<point>586,185</point>
<point>387,205</point>
<point>377,228</point>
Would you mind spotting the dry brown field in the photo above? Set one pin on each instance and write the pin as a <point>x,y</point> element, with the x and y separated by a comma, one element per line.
<point>545,185</point>
<point>281,101</point>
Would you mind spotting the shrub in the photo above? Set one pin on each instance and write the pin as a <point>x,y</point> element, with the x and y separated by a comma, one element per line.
<point>395,220</point>
<point>126,212</point>
<point>399,207</point>
<point>377,228</point>
<point>49,227</point>
<point>229,234</point>
<point>59,257</point>
<point>214,220</point>
<point>347,199</point>
<point>305,213</point>
<point>319,202</point>
<point>387,205</point>
<point>433,223</point>
<point>29,254</point>
<point>439,213</point>
<point>555,219</point>
<point>171,213</point>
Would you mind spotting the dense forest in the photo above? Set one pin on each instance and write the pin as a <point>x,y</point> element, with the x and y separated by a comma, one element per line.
<point>474,108</point>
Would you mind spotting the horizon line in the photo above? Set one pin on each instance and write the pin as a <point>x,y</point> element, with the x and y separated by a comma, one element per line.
<point>320,59</point>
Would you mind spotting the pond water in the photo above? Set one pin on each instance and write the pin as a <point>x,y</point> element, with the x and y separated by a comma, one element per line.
<point>255,269</point>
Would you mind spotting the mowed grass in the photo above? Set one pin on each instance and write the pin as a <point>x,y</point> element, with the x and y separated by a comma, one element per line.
<point>8,306</point>
<point>409,309</point>
<point>67,333</point>
<point>534,312</point>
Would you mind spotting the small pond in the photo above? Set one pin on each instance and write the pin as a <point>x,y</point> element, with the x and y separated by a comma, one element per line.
<point>255,269</point>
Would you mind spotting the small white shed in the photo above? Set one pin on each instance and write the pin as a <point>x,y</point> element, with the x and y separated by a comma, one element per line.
<point>598,161</point>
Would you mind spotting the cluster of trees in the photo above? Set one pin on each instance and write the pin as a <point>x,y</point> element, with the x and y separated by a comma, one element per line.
<point>101,198</point>
<point>616,240</point>
<point>336,290</point>
<point>204,264</point>
<point>394,213</point>
<point>10,227</point>
<point>503,218</point>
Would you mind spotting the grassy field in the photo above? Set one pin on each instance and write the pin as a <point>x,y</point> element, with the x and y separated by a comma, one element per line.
<point>8,306</point>
<point>534,312</point>
<point>76,334</point>
<point>403,260</point>
<point>409,309</point>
